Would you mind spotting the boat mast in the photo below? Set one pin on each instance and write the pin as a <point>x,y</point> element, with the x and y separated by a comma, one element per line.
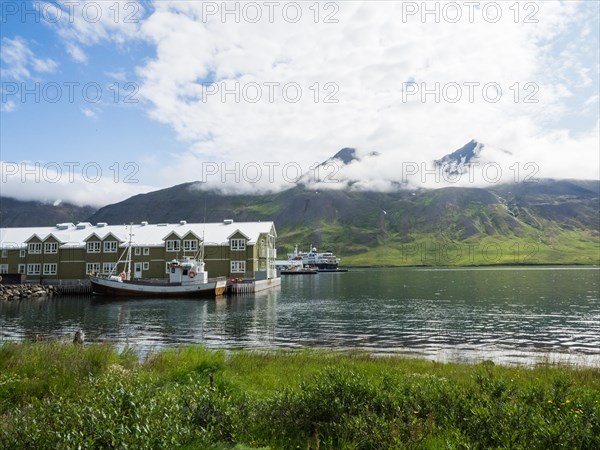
<point>129,253</point>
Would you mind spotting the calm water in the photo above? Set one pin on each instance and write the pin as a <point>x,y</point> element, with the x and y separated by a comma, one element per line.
<point>509,315</point>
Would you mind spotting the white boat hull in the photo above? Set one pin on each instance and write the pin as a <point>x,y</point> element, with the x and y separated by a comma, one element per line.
<point>104,286</point>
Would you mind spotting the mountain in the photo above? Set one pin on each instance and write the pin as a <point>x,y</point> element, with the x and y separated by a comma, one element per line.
<point>17,213</point>
<point>460,161</point>
<point>540,221</point>
<point>550,221</point>
<point>333,170</point>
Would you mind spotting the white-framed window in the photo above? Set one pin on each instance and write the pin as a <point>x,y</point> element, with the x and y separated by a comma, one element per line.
<point>190,245</point>
<point>137,251</point>
<point>167,267</point>
<point>108,267</point>
<point>92,267</point>
<point>93,247</point>
<point>110,247</point>
<point>238,266</point>
<point>35,248</point>
<point>146,251</point>
<point>51,247</point>
<point>238,244</point>
<point>5,253</point>
<point>22,253</point>
<point>50,269</point>
<point>21,268</point>
<point>33,269</point>
<point>173,245</point>
<point>146,266</point>
<point>3,268</point>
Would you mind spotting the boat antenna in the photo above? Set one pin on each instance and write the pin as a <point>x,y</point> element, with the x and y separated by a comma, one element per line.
<point>203,232</point>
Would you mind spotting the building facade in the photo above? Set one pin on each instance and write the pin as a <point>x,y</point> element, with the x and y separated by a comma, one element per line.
<point>69,251</point>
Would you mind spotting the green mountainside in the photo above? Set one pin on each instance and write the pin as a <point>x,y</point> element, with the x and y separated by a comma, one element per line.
<point>17,213</point>
<point>547,222</point>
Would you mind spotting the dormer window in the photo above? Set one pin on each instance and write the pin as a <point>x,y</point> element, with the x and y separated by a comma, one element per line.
<point>35,248</point>
<point>110,247</point>
<point>51,247</point>
<point>190,245</point>
<point>93,247</point>
<point>173,245</point>
<point>238,244</point>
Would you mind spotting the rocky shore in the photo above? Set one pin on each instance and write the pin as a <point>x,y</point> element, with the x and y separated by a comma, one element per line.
<point>11,292</point>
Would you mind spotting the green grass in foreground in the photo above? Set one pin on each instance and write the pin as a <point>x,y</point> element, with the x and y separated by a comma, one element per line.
<point>55,395</point>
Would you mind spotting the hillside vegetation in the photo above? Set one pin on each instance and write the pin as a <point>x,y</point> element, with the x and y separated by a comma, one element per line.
<point>546,222</point>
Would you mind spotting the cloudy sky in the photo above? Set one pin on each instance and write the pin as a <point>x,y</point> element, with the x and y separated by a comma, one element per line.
<point>102,100</point>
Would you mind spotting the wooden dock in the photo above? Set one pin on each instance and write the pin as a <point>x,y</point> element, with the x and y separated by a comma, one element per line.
<point>240,287</point>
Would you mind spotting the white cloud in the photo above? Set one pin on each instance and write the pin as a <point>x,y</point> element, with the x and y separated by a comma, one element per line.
<point>86,23</point>
<point>119,75</point>
<point>8,106</point>
<point>19,61</point>
<point>367,56</point>
<point>76,53</point>
<point>546,70</point>
<point>54,182</point>
<point>89,113</point>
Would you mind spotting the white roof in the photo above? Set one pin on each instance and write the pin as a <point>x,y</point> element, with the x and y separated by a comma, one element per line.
<point>71,235</point>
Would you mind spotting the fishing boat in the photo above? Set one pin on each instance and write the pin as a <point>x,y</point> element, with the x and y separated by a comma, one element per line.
<point>187,278</point>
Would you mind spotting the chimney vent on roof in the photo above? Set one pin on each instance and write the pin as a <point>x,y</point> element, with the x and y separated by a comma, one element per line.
<point>144,223</point>
<point>101,224</point>
<point>228,221</point>
<point>182,222</point>
<point>83,225</point>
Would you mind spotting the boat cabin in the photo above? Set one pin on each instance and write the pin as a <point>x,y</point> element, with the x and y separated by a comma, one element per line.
<point>187,270</point>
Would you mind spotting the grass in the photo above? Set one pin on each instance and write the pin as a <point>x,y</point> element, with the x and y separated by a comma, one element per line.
<point>423,250</point>
<point>55,395</point>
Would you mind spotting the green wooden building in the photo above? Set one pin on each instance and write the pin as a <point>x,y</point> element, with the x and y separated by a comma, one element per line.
<point>70,252</point>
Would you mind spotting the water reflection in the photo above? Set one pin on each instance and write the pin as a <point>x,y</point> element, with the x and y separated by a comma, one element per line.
<point>512,315</point>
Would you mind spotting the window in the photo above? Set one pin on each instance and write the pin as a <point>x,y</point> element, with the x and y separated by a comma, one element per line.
<point>238,244</point>
<point>137,251</point>
<point>92,267</point>
<point>108,267</point>
<point>21,268</point>
<point>173,246</point>
<point>146,266</point>
<point>22,253</point>
<point>238,266</point>
<point>110,247</point>
<point>146,251</point>
<point>3,268</point>
<point>33,269</point>
<point>190,245</point>
<point>5,253</point>
<point>50,269</point>
<point>51,247</point>
<point>93,247</point>
<point>167,267</point>
<point>35,248</point>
